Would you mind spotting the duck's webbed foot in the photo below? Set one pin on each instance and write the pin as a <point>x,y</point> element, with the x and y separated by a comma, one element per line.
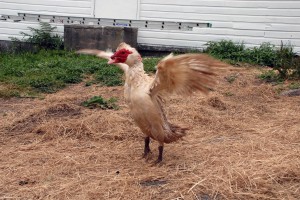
<point>146,148</point>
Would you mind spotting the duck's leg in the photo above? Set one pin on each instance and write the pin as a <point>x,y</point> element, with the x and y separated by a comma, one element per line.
<point>147,147</point>
<point>160,153</point>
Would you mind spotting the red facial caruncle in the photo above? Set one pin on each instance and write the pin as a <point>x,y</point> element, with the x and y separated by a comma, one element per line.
<point>120,56</point>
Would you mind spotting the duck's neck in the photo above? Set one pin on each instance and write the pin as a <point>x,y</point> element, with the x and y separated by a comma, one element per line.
<point>136,74</point>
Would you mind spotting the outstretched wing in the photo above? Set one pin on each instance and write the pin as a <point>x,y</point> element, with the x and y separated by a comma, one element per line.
<point>96,52</point>
<point>102,54</point>
<point>184,74</point>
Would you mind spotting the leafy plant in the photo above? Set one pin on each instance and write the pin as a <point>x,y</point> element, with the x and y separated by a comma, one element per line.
<point>41,38</point>
<point>270,76</point>
<point>100,102</point>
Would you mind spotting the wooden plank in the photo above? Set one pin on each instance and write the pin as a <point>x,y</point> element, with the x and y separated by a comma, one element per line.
<point>284,27</point>
<point>65,3</point>
<point>219,32</point>
<point>282,19</point>
<point>258,11</point>
<point>15,12</point>
<point>7,37</point>
<point>216,24</point>
<point>284,4</point>
<point>213,3</point>
<point>282,35</point>
<point>221,18</point>
<point>9,31</point>
<point>204,39</point>
<point>24,25</point>
<point>204,10</point>
<point>43,9</point>
<point>229,3</point>
<point>201,31</point>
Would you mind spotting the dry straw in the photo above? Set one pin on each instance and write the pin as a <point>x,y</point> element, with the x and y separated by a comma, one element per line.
<point>244,143</point>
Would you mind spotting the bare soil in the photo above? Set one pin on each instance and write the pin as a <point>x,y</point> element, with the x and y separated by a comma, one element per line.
<point>244,143</point>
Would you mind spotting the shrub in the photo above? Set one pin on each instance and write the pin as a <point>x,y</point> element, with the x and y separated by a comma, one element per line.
<point>280,59</point>
<point>226,50</point>
<point>41,38</point>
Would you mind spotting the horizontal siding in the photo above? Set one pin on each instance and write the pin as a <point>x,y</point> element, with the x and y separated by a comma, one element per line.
<point>228,3</point>
<point>82,8</point>
<point>250,21</point>
<point>8,30</point>
<point>287,12</point>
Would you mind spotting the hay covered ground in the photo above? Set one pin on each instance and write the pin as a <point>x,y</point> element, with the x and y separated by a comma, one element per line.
<point>244,143</point>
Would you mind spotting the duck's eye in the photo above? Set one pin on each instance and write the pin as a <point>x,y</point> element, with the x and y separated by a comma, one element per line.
<point>123,52</point>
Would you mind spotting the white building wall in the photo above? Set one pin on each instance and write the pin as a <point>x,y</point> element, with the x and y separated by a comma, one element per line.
<point>83,8</point>
<point>116,9</point>
<point>248,21</point>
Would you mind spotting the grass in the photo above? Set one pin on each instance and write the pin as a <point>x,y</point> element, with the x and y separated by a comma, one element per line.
<point>47,71</point>
<point>150,63</point>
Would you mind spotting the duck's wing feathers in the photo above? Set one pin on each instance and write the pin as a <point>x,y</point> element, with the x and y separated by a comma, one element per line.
<point>102,54</point>
<point>184,74</point>
<point>96,52</point>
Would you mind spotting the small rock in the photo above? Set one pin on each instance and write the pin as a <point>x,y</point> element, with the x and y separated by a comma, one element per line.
<point>155,182</point>
<point>291,93</point>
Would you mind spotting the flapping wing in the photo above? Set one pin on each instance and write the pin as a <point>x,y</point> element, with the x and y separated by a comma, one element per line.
<point>102,54</point>
<point>96,52</point>
<point>184,74</point>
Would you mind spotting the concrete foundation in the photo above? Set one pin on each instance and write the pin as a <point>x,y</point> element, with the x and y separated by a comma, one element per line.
<point>9,46</point>
<point>97,37</point>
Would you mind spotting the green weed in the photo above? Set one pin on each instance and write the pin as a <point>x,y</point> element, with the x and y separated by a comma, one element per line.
<point>270,76</point>
<point>231,78</point>
<point>100,102</point>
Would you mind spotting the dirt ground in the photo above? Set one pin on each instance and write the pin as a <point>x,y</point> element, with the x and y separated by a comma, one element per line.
<point>244,143</point>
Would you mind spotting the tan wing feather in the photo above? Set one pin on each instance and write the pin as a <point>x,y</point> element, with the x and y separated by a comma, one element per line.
<point>185,73</point>
<point>96,52</point>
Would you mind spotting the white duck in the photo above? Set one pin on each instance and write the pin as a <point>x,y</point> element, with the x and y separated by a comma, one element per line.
<point>182,74</point>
